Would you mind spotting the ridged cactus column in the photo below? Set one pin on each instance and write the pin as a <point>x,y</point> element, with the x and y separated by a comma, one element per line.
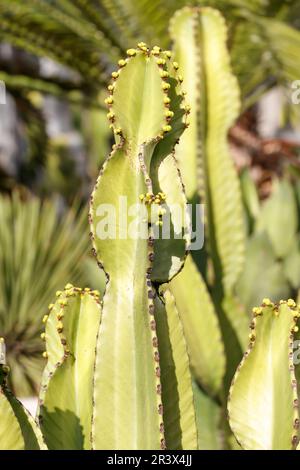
<point>200,46</point>
<point>65,405</point>
<point>263,399</point>
<point>148,115</point>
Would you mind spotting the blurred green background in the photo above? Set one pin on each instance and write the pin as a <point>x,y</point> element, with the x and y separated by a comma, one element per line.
<point>55,61</point>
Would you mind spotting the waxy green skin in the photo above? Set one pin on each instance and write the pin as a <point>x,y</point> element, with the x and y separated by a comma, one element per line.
<point>18,430</point>
<point>118,371</point>
<point>263,398</point>
<point>200,36</point>
<point>65,402</point>
<point>199,44</point>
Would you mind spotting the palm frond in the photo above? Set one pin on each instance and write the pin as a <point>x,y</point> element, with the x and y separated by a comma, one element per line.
<point>39,251</point>
<point>55,34</point>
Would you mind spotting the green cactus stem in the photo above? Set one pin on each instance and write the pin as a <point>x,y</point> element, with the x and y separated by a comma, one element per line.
<point>148,115</point>
<point>18,430</point>
<point>65,402</point>
<point>263,399</point>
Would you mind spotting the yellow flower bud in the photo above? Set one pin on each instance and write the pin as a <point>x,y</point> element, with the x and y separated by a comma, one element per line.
<point>131,52</point>
<point>109,100</point>
<point>165,86</point>
<point>169,114</point>
<point>164,74</point>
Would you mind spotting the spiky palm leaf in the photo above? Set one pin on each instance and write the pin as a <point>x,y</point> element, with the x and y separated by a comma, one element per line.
<point>88,36</point>
<point>39,250</point>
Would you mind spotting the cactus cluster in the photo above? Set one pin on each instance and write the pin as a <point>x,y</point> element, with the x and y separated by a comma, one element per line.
<point>151,363</point>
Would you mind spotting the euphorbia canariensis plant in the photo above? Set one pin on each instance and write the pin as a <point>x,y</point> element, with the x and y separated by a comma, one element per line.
<point>263,401</point>
<point>118,373</point>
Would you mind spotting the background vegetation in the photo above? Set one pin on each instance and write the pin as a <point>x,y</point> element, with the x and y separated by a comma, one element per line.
<point>56,58</point>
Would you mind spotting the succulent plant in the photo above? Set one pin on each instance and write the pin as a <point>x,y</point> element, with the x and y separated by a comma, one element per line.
<point>118,373</point>
<point>84,35</point>
<point>66,395</point>
<point>148,115</point>
<point>18,430</point>
<point>200,46</point>
<point>263,401</point>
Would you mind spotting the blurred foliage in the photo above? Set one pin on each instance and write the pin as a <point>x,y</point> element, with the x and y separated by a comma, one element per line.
<point>40,246</point>
<point>82,41</point>
<point>272,253</point>
<point>87,37</point>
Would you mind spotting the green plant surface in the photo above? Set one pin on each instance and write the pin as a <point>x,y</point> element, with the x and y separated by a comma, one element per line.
<point>151,365</point>
<point>208,418</point>
<point>255,282</point>
<point>147,118</point>
<point>234,323</point>
<point>84,36</point>
<point>38,251</point>
<point>263,400</point>
<point>200,46</point>
<point>215,95</point>
<point>176,381</point>
<point>291,264</point>
<point>250,199</point>
<point>278,212</point>
<point>66,405</point>
<point>18,430</point>
<point>201,327</point>
<point>238,318</point>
